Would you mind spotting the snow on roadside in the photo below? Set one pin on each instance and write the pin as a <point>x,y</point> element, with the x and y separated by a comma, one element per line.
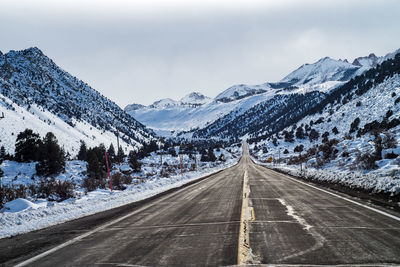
<point>39,216</point>
<point>376,182</point>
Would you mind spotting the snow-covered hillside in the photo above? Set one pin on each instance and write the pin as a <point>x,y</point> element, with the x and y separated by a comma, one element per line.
<point>35,93</point>
<point>354,140</point>
<point>325,69</point>
<point>17,119</point>
<point>195,99</point>
<point>241,91</point>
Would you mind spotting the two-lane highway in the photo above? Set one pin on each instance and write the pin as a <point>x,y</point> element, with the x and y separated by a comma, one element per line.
<point>289,223</point>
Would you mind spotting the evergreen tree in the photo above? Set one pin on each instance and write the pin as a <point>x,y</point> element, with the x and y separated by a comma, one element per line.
<point>121,155</point>
<point>52,156</point>
<point>111,154</point>
<point>133,162</point>
<point>204,155</point>
<point>300,133</point>
<point>314,135</point>
<point>27,146</point>
<point>211,156</point>
<point>82,151</point>
<point>299,148</point>
<point>172,151</point>
<point>2,153</point>
<point>96,161</point>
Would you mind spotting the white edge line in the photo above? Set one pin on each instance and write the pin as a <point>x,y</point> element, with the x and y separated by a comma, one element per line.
<point>78,238</point>
<point>349,200</point>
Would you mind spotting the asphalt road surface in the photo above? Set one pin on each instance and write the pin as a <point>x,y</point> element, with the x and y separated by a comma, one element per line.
<point>289,223</point>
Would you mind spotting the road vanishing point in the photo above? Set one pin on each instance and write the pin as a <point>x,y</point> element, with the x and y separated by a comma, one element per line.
<point>243,215</point>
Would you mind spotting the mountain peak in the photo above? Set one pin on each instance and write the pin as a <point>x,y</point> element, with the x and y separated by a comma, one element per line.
<point>195,98</point>
<point>33,49</point>
<point>370,61</point>
<point>133,106</point>
<point>163,103</point>
<point>325,69</point>
<point>325,59</point>
<point>241,91</point>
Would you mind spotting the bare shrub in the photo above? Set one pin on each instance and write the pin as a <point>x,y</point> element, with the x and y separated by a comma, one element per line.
<point>90,184</point>
<point>64,190</point>
<point>54,190</point>
<point>118,181</point>
<point>389,140</point>
<point>366,161</point>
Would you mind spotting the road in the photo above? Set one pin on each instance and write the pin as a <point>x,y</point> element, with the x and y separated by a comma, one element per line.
<point>287,222</point>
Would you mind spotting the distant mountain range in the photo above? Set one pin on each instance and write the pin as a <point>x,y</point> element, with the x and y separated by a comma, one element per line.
<point>36,93</point>
<point>301,90</point>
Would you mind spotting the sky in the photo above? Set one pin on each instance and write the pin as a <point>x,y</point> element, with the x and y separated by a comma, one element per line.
<point>141,51</point>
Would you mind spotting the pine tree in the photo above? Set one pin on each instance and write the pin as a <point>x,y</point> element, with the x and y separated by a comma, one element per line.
<point>27,146</point>
<point>95,161</point>
<point>52,156</point>
<point>82,151</point>
<point>300,133</point>
<point>211,156</point>
<point>134,163</point>
<point>2,153</point>
<point>172,151</point>
<point>314,135</point>
<point>204,155</point>
<point>121,155</point>
<point>111,154</point>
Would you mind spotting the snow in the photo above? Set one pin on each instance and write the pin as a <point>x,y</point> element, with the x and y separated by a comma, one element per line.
<point>325,69</point>
<point>324,87</point>
<point>42,121</point>
<point>239,91</point>
<point>20,204</point>
<point>195,98</point>
<point>163,103</point>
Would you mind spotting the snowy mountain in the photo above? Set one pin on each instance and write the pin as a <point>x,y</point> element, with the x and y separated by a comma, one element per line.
<point>243,109</point>
<point>351,138</point>
<point>188,117</point>
<point>241,91</point>
<point>134,106</point>
<point>36,93</point>
<point>288,105</point>
<point>195,99</point>
<point>163,103</point>
<point>371,97</point>
<point>370,61</point>
<point>325,69</point>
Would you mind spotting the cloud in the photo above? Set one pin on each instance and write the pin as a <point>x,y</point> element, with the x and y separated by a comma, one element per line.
<point>140,51</point>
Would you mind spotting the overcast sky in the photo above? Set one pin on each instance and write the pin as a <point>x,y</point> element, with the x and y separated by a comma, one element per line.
<point>142,51</point>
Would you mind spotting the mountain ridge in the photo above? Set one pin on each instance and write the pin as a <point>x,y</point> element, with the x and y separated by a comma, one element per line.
<point>322,76</point>
<point>28,78</point>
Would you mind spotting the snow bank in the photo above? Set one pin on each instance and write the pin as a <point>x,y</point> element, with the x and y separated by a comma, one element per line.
<point>375,181</point>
